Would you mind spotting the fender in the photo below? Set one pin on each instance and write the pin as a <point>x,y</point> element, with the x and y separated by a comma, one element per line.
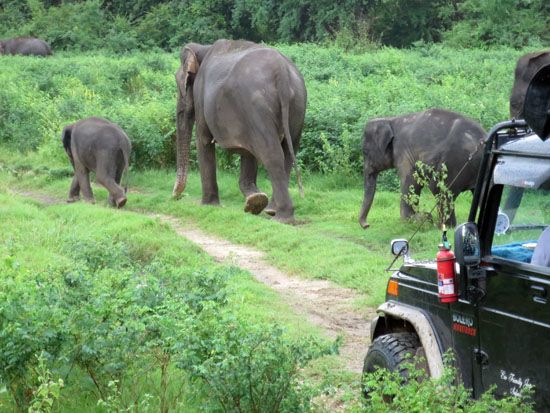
<point>422,327</point>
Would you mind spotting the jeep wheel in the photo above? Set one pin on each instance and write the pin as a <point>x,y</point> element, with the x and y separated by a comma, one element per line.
<point>391,351</point>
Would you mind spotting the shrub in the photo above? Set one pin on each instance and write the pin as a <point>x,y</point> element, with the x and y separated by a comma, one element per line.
<point>251,368</point>
<point>390,392</point>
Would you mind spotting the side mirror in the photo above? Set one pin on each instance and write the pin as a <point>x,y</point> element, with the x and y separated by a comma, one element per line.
<point>467,247</point>
<point>400,247</point>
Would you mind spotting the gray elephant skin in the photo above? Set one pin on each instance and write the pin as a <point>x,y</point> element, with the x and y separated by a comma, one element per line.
<point>25,46</point>
<point>527,67</point>
<point>434,137</point>
<point>95,144</point>
<point>249,99</point>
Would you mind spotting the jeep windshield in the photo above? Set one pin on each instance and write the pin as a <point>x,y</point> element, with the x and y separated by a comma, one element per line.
<point>522,173</point>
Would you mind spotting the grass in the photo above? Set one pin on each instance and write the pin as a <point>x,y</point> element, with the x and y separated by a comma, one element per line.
<point>34,238</point>
<point>329,244</point>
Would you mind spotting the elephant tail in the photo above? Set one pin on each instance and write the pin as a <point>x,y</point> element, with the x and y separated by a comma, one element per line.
<point>285,109</point>
<point>66,136</point>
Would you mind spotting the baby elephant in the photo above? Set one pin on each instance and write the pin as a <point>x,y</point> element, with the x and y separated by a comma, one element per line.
<point>95,144</point>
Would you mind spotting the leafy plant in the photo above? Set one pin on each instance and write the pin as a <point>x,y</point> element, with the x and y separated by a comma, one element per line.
<point>251,368</point>
<point>435,178</point>
<point>391,392</point>
<point>48,392</point>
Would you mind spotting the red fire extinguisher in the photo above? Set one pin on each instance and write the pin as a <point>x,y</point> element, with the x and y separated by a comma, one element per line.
<point>446,277</point>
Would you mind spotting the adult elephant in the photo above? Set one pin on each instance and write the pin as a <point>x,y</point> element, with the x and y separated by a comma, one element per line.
<point>527,67</point>
<point>434,137</point>
<point>26,46</point>
<point>247,98</point>
<point>96,144</point>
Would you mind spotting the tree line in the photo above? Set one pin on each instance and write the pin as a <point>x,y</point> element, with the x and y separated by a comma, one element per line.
<point>122,25</point>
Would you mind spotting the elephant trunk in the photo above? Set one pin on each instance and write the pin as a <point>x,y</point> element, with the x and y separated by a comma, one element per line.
<point>370,189</point>
<point>184,129</point>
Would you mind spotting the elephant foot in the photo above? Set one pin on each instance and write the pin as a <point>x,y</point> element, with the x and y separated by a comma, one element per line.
<point>270,209</point>
<point>255,203</point>
<point>90,200</point>
<point>285,220</point>
<point>120,202</point>
<point>364,225</point>
<point>72,199</point>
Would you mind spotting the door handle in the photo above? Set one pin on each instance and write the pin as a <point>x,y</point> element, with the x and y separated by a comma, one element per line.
<point>538,292</point>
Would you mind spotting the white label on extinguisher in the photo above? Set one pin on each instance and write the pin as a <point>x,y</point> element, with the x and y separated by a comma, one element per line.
<point>446,286</point>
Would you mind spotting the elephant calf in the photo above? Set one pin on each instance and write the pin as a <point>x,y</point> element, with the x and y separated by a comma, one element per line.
<point>26,46</point>
<point>96,144</point>
<point>434,137</point>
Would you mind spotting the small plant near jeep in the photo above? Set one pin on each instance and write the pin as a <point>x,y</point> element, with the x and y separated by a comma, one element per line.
<point>429,176</point>
<point>391,392</point>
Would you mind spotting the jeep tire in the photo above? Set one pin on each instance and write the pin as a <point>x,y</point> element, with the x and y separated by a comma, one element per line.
<point>391,351</point>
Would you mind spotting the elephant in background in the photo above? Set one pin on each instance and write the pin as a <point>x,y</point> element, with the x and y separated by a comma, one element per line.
<point>249,99</point>
<point>527,67</point>
<point>434,137</point>
<point>26,46</point>
<point>95,144</point>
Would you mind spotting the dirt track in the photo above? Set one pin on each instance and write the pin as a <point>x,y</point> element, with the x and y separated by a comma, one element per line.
<point>323,303</point>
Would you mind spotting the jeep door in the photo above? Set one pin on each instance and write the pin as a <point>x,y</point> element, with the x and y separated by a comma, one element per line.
<point>514,314</point>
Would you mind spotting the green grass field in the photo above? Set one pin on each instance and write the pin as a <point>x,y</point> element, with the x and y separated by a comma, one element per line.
<point>40,243</point>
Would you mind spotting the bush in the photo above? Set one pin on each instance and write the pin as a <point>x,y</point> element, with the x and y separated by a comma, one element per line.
<point>390,392</point>
<point>251,368</point>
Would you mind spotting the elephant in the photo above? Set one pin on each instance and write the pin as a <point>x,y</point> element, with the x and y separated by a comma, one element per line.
<point>26,46</point>
<point>434,137</point>
<point>96,144</point>
<point>527,67</point>
<point>250,100</point>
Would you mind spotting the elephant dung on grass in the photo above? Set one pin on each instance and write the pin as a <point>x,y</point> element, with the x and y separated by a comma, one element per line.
<point>433,137</point>
<point>249,99</point>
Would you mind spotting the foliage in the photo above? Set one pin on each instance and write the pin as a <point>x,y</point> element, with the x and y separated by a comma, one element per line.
<point>121,26</point>
<point>390,392</point>
<point>251,369</point>
<point>516,23</point>
<point>48,392</point>
<point>345,89</point>
<point>113,309</point>
<point>435,178</point>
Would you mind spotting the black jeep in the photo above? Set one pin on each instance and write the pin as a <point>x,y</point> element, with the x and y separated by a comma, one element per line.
<point>499,328</point>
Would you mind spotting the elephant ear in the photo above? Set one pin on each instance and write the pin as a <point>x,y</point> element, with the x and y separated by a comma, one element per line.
<point>384,135</point>
<point>188,69</point>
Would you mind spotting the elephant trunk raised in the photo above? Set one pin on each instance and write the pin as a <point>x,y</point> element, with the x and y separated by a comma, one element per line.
<point>370,189</point>
<point>185,117</point>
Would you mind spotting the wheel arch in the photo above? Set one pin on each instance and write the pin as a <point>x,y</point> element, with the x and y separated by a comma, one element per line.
<point>396,317</point>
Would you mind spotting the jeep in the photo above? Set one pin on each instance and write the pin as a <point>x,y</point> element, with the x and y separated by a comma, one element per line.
<point>499,327</point>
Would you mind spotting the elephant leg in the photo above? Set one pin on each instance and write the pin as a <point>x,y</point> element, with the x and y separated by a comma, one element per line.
<point>271,208</point>
<point>274,162</point>
<point>83,176</point>
<point>116,193</point>
<point>409,206</point>
<point>446,214</point>
<point>207,166</point>
<point>256,201</point>
<point>74,191</point>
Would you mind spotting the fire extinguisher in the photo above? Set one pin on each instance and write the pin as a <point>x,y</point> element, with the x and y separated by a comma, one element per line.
<point>446,277</point>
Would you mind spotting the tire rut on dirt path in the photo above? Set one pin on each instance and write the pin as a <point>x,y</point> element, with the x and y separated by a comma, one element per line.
<point>324,304</point>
